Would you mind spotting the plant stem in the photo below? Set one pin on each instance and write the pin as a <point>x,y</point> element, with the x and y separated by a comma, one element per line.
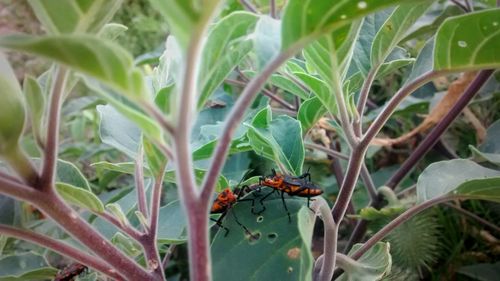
<point>52,140</point>
<point>61,248</point>
<point>330,241</point>
<point>272,4</point>
<point>398,221</point>
<point>249,6</point>
<point>13,188</point>
<point>391,106</point>
<point>127,229</point>
<point>158,116</point>
<point>266,92</point>
<point>433,137</point>
<point>234,118</point>
<point>330,152</point>
<point>363,98</point>
<point>139,183</point>
<point>53,206</point>
<point>474,217</point>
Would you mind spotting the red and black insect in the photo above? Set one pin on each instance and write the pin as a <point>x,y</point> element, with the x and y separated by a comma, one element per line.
<point>223,204</point>
<point>70,272</point>
<point>300,186</point>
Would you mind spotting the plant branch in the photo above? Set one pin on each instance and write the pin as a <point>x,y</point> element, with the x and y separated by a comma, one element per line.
<point>325,273</point>
<point>363,98</point>
<point>13,188</point>
<point>127,229</point>
<point>266,92</point>
<point>158,116</point>
<point>54,207</point>
<point>330,152</point>
<point>249,6</point>
<point>433,137</point>
<point>52,138</point>
<point>460,5</point>
<point>61,248</point>
<point>139,183</point>
<point>393,103</point>
<point>411,212</point>
<point>272,4</point>
<point>368,182</point>
<point>475,217</point>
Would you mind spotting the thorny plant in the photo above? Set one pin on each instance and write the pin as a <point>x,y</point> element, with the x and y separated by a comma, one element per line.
<point>310,44</point>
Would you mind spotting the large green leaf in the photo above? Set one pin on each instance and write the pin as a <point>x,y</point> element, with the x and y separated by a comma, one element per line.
<point>227,44</point>
<point>459,177</point>
<point>393,30</point>
<point>68,173</point>
<point>267,39</point>
<point>80,197</point>
<point>74,16</point>
<point>104,60</point>
<point>280,250</point>
<point>173,226</point>
<point>469,42</point>
<point>25,265</point>
<point>278,139</point>
<point>373,265</point>
<point>305,20</point>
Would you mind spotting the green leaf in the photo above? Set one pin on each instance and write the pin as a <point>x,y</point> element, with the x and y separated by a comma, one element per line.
<point>489,151</point>
<point>340,43</point>
<point>279,139</point>
<point>227,44</point>
<point>173,226</point>
<point>373,265</point>
<point>481,271</point>
<point>80,197</point>
<point>283,82</point>
<point>155,158</point>
<point>117,211</point>
<point>469,42</point>
<point>36,103</point>
<point>310,112</point>
<point>459,177</point>
<point>111,31</point>
<point>12,113</point>
<point>130,247</point>
<point>282,250</point>
<point>102,59</point>
<point>68,173</point>
<point>183,16</point>
<point>394,29</point>
<point>305,20</point>
<point>16,267</point>
<point>321,90</point>
<point>267,39</point>
<point>74,16</point>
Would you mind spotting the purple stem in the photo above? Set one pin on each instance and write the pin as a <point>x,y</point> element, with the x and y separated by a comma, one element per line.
<point>474,217</point>
<point>139,183</point>
<point>249,6</point>
<point>272,4</point>
<point>266,92</point>
<point>433,137</point>
<point>61,248</point>
<point>327,263</point>
<point>52,140</point>
<point>127,229</point>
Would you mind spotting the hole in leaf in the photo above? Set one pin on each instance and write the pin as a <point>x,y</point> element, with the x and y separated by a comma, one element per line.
<point>260,219</point>
<point>252,239</point>
<point>271,237</point>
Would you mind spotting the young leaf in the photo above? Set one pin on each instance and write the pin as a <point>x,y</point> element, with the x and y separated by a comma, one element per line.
<point>278,139</point>
<point>36,104</point>
<point>306,20</point>
<point>74,16</point>
<point>104,60</point>
<point>460,177</point>
<point>117,211</point>
<point>227,44</point>
<point>373,265</point>
<point>80,197</point>
<point>469,42</point>
<point>321,90</point>
<point>310,112</point>
<point>126,244</point>
<point>393,30</point>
